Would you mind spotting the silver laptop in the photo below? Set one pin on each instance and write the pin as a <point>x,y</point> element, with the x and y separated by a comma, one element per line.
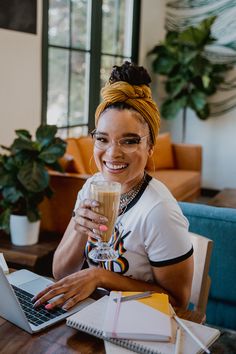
<point>16,291</point>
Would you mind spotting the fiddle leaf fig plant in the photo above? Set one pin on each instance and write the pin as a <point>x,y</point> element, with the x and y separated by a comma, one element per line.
<point>190,76</point>
<point>24,176</point>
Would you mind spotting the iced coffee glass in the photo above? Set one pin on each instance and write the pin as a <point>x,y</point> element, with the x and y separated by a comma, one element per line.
<point>108,195</point>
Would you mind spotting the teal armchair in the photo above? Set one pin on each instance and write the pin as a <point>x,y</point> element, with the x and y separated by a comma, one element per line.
<point>218,224</point>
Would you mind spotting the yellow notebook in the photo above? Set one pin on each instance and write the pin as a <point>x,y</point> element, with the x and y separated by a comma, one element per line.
<point>141,319</point>
<point>158,301</point>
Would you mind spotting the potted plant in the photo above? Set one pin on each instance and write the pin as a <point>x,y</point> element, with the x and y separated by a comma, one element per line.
<point>24,179</point>
<point>190,76</point>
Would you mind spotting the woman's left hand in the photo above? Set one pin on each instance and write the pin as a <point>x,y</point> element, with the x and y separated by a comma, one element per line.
<point>71,290</point>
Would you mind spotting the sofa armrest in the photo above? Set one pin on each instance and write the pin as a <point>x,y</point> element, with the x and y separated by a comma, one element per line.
<point>56,211</point>
<point>187,156</point>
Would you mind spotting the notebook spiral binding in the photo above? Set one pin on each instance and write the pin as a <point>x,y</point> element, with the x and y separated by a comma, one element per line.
<point>125,343</point>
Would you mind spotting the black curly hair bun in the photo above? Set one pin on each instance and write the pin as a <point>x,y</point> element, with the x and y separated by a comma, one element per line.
<point>131,73</point>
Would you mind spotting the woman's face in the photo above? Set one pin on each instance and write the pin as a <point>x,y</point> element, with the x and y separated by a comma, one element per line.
<point>115,164</point>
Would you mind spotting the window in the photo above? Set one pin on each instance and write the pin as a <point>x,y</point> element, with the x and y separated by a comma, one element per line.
<point>82,40</point>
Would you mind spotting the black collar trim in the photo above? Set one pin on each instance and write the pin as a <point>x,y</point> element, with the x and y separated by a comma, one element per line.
<point>147,179</point>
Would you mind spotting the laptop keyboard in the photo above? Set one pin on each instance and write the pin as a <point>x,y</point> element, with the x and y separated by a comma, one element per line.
<point>38,315</point>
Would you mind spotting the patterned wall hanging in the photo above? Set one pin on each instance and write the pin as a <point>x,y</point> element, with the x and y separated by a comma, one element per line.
<point>184,13</point>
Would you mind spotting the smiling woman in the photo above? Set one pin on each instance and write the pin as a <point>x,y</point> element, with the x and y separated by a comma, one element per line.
<point>151,233</point>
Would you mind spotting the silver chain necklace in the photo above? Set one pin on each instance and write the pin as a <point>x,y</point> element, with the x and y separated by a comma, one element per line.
<point>127,197</point>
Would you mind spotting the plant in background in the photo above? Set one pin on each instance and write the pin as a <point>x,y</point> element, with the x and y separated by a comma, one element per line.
<point>24,177</point>
<point>191,77</point>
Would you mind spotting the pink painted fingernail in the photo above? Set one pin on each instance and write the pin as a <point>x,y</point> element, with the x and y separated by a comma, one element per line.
<point>103,228</point>
<point>48,306</point>
<point>36,304</point>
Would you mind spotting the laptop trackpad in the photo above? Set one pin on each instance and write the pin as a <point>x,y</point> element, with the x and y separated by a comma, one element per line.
<point>36,285</point>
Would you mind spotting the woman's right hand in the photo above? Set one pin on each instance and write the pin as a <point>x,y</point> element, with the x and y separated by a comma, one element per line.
<point>88,221</point>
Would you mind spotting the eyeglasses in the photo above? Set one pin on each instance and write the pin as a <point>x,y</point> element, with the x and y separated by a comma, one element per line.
<point>128,144</point>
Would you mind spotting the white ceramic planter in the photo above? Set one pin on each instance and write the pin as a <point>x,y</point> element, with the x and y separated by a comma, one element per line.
<point>23,232</point>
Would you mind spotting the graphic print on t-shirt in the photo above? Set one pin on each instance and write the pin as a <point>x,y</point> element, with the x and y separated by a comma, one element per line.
<point>119,265</point>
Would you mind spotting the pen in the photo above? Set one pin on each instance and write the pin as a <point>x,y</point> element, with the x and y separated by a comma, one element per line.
<point>181,323</point>
<point>116,315</point>
<point>178,340</point>
<point>136,296</point>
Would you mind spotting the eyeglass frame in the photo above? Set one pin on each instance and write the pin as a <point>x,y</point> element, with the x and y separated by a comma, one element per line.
<point>140,138</point>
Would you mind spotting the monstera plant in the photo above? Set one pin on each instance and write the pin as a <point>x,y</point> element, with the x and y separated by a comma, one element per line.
<point>190,77</point>
<point>24,177</point>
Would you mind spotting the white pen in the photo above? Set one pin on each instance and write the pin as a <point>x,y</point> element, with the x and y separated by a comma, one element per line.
<point>178,340</point>
<point>181,323</point>
<point>135,296</point>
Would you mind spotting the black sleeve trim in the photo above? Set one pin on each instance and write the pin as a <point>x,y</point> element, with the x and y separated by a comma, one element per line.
<point>173,260</point>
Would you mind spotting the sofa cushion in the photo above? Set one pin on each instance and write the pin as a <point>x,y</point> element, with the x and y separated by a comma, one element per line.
<point>82,151</point>
<point>72,149</point>
<point>163,155</point>
<point>181,183</point>
<point>85,145</point>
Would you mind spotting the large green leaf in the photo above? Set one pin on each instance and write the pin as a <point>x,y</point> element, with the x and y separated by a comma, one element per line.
<point>197,100</point>
<point>187,55</point>
<point>206,24</point>
<point>22,144</point>
<point>204,112</point>
<point>53,152</point>
<point>198,36</point>
<point>33,176</point>
<point>175,86</point>
<point>57,166</point>
<point>6,179</point>
<point>23,134</point>
<point>171,38</point>
<point>11,194</point>
<point>45,134</point>
<point>170,108</point>
<point>164,65</point>
<point>33,215</point>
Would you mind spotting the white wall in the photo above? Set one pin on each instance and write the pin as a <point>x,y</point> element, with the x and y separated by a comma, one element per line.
<point>20,81</point>
<point>216,135</point>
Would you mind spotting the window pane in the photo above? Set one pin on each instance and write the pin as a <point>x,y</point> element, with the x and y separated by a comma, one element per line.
<point>58,86</point>
<point>79,88</point>
<point>72,132</point>
<point>107,63</point>
<point>81,16</point>
<point>59,11</point>
<point>117,27</point>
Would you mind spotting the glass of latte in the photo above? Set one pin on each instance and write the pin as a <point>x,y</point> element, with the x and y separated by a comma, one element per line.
<point>108,195</point>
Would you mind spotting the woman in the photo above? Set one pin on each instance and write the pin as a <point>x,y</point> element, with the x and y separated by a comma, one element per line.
<point>154,248</point>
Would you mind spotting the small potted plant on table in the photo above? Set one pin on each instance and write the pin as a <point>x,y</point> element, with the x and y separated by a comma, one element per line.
<point>24,181</point>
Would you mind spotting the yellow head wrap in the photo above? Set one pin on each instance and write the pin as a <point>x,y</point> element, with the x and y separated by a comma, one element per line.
<point>138,97</point>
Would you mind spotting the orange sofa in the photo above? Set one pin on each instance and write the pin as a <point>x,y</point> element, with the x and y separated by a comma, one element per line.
<point>178,166</point>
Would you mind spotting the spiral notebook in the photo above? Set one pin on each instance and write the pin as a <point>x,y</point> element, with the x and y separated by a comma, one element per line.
<point>91,318</point>
<point>146,318</point>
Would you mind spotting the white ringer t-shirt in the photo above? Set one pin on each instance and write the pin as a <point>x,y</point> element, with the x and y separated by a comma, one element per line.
<point>151,232</point>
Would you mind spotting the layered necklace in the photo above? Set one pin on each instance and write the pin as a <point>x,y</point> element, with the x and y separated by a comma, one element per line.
<point>127,197</point>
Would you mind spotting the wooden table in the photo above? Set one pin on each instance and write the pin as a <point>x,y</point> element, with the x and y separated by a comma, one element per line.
<point>58,339</point>
<point>37,258</point>
<point>226,198</point>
